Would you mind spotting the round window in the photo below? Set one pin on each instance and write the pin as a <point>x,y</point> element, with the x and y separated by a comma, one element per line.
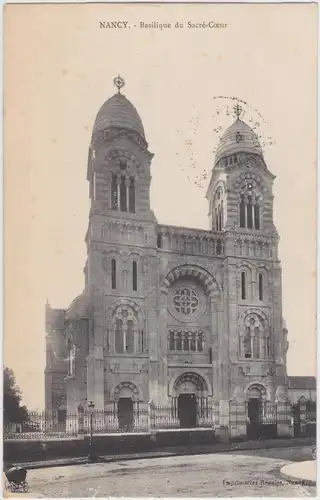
<point>186,301</point>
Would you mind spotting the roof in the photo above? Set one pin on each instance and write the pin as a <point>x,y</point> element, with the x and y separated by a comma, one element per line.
<point>79,308</point>
<point>238,138</point>
<point>118,112</point>
<point>308,383</point>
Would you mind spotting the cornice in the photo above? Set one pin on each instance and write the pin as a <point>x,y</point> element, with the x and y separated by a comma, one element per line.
<point>111,135</point>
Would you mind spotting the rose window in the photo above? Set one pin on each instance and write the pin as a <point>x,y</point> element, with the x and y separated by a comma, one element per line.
<point>186,301</point>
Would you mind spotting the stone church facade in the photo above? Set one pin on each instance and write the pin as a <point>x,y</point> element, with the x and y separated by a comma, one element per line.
<point>174,315</point>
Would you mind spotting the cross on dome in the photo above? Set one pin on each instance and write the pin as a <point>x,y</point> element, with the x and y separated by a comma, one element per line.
<point>237,111</point>
<point>119,82</point>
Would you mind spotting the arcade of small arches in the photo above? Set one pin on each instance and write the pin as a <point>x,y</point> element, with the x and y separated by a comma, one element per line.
<point>126,333</point>
<point>254,336</point>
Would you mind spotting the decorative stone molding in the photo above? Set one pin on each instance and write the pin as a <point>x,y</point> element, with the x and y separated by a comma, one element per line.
<point>135,392</point>
<point>125,302</point>
<point>257,386</point>
<point>200,380</point>
<point>210,284</point>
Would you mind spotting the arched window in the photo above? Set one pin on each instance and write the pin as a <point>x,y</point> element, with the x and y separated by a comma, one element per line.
<point>242,212</point>
<point>255,338</point>
<point>119,345</point>
<point>129,337</point>
<point>217,210</point>
<point>134,276</point>
<point>260,286</point>
<point>171,341</point>
<point>132,196</point>
<point>243,286</point>
<point>159,241</point>
<point>219,247</point>
<point>114,193</point>
<point>247,343</point>
<point>221,216</point>
<point>268,347</point>
<point>141,341</point>
<point>256,343</point>
<point>256,216</point>
<point>113,274</point>
<point>249,208</point>
<point>249,213</point>
<point>123,194</point>
<point>126,329</point>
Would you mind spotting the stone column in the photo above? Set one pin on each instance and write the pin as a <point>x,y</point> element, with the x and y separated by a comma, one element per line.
<point>163,346</point>
<point>99,378</point>
<point>151,328</point>
<point>223,374</point>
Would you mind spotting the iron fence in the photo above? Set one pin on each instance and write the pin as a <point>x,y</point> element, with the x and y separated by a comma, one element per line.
<point>142,418</point>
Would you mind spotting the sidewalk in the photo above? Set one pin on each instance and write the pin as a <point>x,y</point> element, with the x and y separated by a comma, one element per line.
<point>177,451</point>
<point>301,472</point>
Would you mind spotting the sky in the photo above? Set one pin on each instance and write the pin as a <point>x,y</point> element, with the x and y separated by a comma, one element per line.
<point>59,67</point>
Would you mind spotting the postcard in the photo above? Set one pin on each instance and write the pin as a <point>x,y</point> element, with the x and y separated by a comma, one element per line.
<point>160,250</point>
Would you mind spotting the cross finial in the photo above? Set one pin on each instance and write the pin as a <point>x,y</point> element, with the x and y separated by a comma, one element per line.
<point>119,82</point>
<point>237,111</point>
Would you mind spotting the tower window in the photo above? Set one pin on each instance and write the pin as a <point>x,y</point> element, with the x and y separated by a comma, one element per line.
<point>249,213</point>
<point>123,194</point>
<point>243,285</point>
<point>242,212</point>
<point>114,192</point>
<point>221,216</point>
<point>257,216</point>
<point>113,274</point>
<point>132,196</point>
<point>129,337</point>
<point>247,344</point>
<point>134,276</point>
<point>219,247</point>
<point>260,286</point>
<point>159,241</point>
<point>119,337</point>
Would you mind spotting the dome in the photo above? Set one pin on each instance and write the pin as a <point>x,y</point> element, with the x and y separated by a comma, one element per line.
<point>118,112</point>
<point>79,308</point>
<point>238,138</point>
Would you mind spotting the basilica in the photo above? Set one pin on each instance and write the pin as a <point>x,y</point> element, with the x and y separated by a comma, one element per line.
<point>177,316</point>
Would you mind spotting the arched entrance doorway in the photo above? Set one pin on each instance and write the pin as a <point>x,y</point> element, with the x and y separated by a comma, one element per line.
<point>190,395</point>
<point>261,414</point>
<point>126,394</point>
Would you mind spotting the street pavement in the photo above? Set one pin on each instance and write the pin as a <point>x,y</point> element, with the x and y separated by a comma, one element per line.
<point>243,473</point>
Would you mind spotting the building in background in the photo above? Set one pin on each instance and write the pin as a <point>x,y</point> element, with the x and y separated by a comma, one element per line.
<point>182,317</point>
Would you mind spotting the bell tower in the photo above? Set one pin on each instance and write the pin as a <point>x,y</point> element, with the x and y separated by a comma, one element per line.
<point>119,160</point>
<point>240,196</point>
<point>121,242</point>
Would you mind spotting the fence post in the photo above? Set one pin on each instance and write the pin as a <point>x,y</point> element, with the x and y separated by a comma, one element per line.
<point>151,420</point>
<point>80,419</point>
<point>284,424</point>
<point>303,417</point>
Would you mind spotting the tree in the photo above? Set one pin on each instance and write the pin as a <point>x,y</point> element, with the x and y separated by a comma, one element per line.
<point>12,410</point>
